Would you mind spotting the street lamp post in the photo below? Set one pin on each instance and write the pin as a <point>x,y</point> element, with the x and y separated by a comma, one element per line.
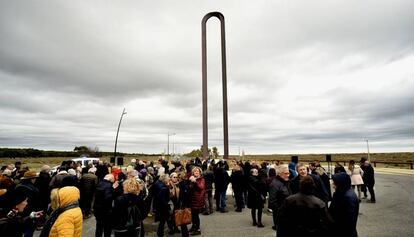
<point>117,132</point>
<point>168,142</point>
<point>368,150</point>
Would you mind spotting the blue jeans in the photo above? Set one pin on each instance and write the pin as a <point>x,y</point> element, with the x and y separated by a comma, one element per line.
<point>222,201</point>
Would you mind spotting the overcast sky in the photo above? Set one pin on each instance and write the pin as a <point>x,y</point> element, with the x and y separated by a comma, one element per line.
<point>303,76</point>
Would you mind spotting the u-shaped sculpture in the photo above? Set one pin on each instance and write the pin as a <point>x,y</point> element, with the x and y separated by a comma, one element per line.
<point>204,82</point>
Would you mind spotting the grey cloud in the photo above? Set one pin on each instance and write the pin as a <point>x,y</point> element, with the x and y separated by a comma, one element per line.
<point>68,69</point>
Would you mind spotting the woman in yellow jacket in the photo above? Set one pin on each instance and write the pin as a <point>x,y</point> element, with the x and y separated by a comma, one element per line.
<point>69,222</point>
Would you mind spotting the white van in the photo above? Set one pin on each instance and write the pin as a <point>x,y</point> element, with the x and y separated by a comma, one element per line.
<point>84,161</point>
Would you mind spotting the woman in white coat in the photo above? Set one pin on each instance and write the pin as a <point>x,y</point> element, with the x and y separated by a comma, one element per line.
<point>356,173</point>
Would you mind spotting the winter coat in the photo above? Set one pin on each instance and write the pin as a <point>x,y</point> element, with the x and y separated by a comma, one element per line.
<point>356,175</point>
<point>161,199</point>
<point>256,192</point>
<point>237,181</point>
<point>320,190</point>
<point>303,215</point>
<point>344,207</point>
<point>279,190</point>
<point>104,195</point>
<point>120,209</point>
<point>325,180</point>
<point>11,226</point>
<point>197,191</point>
<point>184,194</point>
<point>87,185</point>
<point>221,179</point>
<point>42,183</point>
<point>208,176</point>
<point>101,171</point>
<point>368,177</point>
<point>33,201</point>
<point>56,181</point>
<point>69,223</point>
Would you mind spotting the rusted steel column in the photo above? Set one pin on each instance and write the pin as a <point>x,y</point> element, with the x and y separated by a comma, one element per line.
<point>204,83</point>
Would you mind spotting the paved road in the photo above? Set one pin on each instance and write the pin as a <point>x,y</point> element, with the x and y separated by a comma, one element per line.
<point>392,215</point>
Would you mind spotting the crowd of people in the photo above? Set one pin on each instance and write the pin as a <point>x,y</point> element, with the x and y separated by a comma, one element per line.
<point>299,196</point>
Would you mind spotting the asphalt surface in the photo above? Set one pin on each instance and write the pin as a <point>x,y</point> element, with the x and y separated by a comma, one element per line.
<point>392,215</point>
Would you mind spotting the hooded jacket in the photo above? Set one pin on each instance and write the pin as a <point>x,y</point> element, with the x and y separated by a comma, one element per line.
<point>69,223</point>
<point>344,207</point>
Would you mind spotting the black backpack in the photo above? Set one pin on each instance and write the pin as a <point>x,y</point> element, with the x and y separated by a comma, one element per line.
<point>134,217</point>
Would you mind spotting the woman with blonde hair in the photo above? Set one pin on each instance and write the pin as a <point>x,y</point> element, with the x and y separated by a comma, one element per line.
<point>197,191</point>
<point>129,211</point>
<point>66,218</point>
<point>174,197</point>
<point>356,173</point>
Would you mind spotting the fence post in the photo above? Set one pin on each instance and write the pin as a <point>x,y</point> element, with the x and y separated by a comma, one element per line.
<point>411,164</point>
<point>375,164</point>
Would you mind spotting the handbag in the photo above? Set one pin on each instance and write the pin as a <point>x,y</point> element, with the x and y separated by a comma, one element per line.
<point>182,216</point>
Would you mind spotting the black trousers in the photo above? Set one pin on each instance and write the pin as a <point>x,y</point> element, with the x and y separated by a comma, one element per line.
<point>195,218</point>
<point>103,226</point>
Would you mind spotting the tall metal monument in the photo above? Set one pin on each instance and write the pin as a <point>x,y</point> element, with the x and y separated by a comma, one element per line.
<point>204,82</point>
<point>117,131</point>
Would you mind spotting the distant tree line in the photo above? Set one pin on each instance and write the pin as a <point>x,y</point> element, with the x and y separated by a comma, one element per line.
<point>199,152</point>
<point>31,152</point>
<point>77,151</point>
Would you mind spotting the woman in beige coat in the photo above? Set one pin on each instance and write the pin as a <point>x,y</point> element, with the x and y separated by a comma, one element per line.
<point>356,173</point>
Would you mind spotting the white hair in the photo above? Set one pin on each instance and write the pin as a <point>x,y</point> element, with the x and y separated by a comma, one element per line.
<point>161,171</point>
<point>109,177</point>
<point>281,168</point>
<point>71,172</point>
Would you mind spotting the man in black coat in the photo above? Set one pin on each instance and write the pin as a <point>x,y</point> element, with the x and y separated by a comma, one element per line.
<point>238,186</point>
<point>221,181</point>
<point>27,186</point>
<point>208,176</point>
<point>279,190</point>
<point>104,195</point>
<point>42,183</point>
<point>87,187</point>
<point>303,214</point>
<point>344,207</point>
<point>320,190</point>
<point>369,180</point>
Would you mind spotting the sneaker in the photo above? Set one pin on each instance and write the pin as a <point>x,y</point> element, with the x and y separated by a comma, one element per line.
<point>238,210</point>
<point>224,211</point>
<point>196,232</point>
<point>260,225</point>
<point>254,224</point>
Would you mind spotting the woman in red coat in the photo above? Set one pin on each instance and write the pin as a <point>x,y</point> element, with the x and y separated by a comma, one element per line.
<point>197,190</point>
